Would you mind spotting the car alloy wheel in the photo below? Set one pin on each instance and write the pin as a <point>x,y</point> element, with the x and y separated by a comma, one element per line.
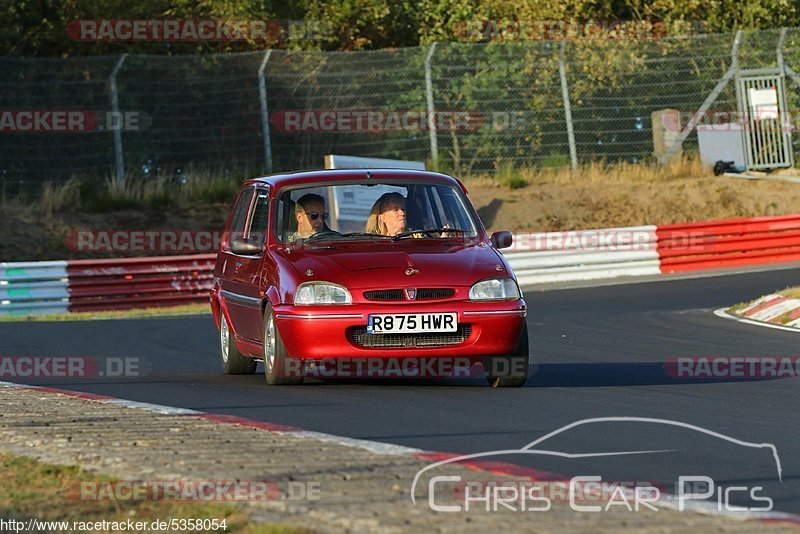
<point>224,339</point>
<point>277,370</point>
<point>269,344</point>
<point>233,361</point>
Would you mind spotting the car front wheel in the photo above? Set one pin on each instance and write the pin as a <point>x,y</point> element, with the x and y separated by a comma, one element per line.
<point>278,367</point>
<point>509,371</point>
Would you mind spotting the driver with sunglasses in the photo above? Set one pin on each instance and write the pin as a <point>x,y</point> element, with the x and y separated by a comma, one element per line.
<point>310,213</point>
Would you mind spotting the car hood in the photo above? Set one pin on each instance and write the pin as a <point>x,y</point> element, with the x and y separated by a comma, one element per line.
<point>377,265</point>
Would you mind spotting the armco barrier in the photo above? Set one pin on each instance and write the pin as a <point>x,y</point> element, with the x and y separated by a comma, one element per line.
<point>649,250</point>
<point>584,255</point>
<point>537,258</point>
<point>730,243</point>
<point>90,285</point>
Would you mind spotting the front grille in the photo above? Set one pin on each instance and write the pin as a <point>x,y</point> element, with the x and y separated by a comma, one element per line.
<point>431,339</point>
<point>424,293</point>
<point>433,293</point>
<point>385,294</point>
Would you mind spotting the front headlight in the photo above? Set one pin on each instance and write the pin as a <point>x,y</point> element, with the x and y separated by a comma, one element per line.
<point>311,293</point>
<point>495,289</point>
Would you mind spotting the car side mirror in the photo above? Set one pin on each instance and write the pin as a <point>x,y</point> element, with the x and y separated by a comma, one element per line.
<point>502,239</point>
<point>244,247</point>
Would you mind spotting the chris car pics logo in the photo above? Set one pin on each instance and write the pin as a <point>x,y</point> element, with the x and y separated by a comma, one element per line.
<point>446,491</point>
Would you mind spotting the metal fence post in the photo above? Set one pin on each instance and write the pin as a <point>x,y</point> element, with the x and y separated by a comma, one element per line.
<point>562,71</point>
<point>431,109</point>
<point>262,95</point>
<point>789,71</point>
<point>112,81</point>
<point>710,99</point>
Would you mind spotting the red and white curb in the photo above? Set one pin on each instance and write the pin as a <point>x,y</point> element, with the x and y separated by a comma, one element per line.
<point>388,449</point>
<point>766,312</point>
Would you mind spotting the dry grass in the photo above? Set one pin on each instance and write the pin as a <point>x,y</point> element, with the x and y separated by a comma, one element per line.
<point>32,489</point>
<point>598,172</point>
<point>94,195</point>
<point>602,195</point>
<point>791,292</point>
<point>628,173</point>
<point>59,197</point>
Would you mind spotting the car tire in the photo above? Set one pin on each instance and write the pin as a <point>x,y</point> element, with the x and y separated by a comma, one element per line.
<point>498,369</point>
<point>233,361</point>
<point>276,359</point>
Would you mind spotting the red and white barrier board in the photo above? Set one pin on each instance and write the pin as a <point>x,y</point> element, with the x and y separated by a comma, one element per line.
<point>90,285</point>
<point>651,250</point>
<point>537,258</point>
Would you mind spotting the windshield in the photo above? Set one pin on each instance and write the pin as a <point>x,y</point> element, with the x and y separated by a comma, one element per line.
<point>373,211</point>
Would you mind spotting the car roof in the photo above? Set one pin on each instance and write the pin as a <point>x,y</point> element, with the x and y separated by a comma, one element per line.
<point>344,175</point>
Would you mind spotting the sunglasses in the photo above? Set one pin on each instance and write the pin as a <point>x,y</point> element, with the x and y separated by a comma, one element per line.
<point>314,215</point>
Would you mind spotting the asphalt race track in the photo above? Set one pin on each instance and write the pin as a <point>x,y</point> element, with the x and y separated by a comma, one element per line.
<point>599,352</point>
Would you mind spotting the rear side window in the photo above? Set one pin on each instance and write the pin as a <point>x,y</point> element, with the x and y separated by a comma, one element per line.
<point>257,227</point>
<point>240,210</point>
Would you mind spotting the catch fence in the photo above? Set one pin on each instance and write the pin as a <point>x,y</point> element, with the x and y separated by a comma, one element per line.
<point>462,107</point>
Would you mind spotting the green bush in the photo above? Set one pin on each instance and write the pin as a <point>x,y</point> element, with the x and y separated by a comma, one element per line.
<point>510,177</point>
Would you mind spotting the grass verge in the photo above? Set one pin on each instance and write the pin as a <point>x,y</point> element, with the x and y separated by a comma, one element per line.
<point>167,190</point>
<point>186,309</point>
<point>32,489</point>
<point>791,292</point>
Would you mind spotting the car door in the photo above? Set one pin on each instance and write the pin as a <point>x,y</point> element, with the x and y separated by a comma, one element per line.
<point>242,268</point>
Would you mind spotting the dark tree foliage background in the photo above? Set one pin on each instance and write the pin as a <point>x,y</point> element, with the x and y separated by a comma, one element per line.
<point>39,27</point>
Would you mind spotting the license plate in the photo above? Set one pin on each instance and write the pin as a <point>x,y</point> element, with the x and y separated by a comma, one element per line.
<point>411,323</point>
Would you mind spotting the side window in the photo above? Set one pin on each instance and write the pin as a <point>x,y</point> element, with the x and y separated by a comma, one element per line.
<point>451,209</point>
<point>236,229</point>
<point>257,227</point>
<point>285,223</point>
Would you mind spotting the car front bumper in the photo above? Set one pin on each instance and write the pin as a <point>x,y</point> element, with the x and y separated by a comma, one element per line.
<point>324,332</point>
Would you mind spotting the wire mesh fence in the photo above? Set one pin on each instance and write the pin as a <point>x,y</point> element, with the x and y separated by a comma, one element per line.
<point>462,107</point>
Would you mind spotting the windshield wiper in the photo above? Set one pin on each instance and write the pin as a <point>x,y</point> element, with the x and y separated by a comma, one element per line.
<point>362,234</point>
<point>429,231</point>
<point>319,236</point>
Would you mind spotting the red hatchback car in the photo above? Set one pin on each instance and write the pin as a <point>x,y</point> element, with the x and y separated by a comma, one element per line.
<point>360,272</point>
